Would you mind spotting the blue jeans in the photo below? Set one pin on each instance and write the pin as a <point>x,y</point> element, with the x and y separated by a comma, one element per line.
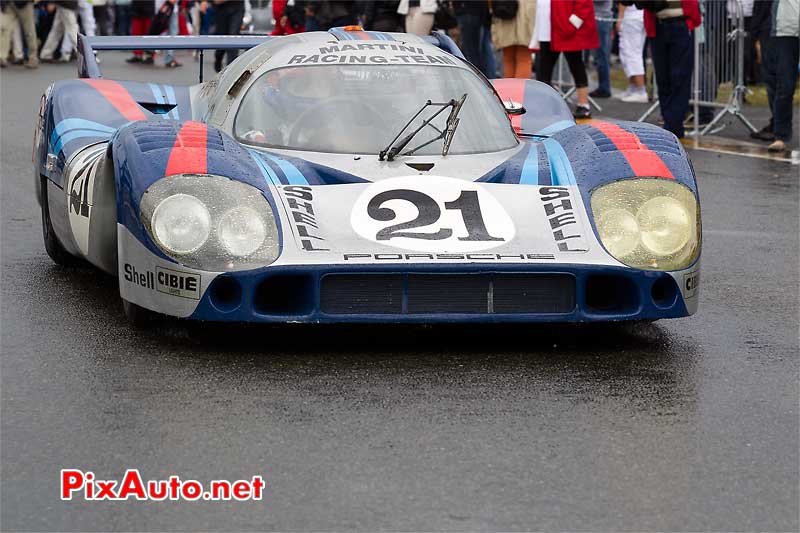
<point>470,26</point>
<point>602,55</point>
<point>173,30</point>
<point>122,19</point>
<point>673,59</point>
<point>487,51</point>
<point>780,77</point>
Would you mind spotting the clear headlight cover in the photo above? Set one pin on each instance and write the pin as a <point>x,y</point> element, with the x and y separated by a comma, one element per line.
<point>211,222</point>
<point>648,223</point>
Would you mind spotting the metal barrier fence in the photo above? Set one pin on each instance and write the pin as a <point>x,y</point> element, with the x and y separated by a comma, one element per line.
<point>719,58</point>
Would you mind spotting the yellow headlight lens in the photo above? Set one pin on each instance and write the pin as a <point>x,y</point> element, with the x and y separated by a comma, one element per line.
<point>665,224</point>
<point>648,223</point>
<point>621,230</point>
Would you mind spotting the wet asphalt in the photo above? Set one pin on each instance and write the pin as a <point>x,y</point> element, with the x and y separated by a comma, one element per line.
<point>688,424</point>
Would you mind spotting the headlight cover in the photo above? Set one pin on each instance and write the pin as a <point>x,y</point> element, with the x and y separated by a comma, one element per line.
<point>648,223</point>
<point>210,222</point>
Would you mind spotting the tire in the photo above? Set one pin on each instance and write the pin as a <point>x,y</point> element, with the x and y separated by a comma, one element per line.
<point>138,316</point>
<point>52,245</point>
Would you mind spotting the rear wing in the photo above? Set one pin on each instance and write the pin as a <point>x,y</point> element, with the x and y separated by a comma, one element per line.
<point>87,46</point>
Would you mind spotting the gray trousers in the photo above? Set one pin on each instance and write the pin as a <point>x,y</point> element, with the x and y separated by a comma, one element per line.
<point>64,23</point>
<point>13,16</point>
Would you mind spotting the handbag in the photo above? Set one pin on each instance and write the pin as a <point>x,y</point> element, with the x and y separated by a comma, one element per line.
<point>444,18</point>
<point>505,9</point>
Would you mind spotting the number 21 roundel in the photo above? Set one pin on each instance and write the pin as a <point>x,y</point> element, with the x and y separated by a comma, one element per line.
<point>431,214</point>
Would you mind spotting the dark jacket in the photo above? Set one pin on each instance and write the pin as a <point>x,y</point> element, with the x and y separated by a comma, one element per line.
<point>143,8</point>
<point>471,7</point>
<point>379,10</point>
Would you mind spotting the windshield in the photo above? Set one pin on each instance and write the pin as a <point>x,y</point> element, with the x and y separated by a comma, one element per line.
<point>360,108</point>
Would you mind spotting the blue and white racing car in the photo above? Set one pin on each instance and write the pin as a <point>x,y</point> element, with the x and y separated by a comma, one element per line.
<point>354,176</point>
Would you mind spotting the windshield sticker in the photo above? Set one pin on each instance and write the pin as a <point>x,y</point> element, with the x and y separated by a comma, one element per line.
<point>335,49</point>
<point>431,214</point>
<point>397,59</point>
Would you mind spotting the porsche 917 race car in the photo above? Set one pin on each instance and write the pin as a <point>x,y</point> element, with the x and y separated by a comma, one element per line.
<point>358,176</point>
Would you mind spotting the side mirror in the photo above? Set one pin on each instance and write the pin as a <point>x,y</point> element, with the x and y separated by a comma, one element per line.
<point>514,108</point>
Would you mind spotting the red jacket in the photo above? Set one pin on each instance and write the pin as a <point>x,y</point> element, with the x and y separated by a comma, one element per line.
<point>564,37</point>
<point>691,10</point>
<point>278,10</point>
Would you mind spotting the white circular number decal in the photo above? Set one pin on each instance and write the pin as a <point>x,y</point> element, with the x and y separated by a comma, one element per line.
<point>431,214</point>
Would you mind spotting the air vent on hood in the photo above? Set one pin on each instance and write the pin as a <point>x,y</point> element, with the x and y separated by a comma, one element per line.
<point>424,167</point>
<point>157,109</point>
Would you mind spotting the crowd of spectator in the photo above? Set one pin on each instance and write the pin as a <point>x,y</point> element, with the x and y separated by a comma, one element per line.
<point>520,30</point>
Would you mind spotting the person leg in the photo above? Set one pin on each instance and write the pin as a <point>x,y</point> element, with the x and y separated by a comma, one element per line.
<point>522,62</point>
<point>101,19</point>
<point>55,35</point>
<point>71,28</point>
<point>601,56</point>
<point>221,16</point>
<point>487,52</point>
<point>469,25</point>
<point>7,22</point>
<point>234,26</point>
<point>633,63</point>
<point>169,57</point>
<point>27,17</point>
<point>768,76</point>
<point>547,62</point>
<point>87,26</point>
<point>16,41</point>
<point>122,20</point>
<point>659,46</point>
<point>681,56</point>
<point>66,47</point>
<point>87,18</point>
<point>139,26</point>
<point>787,58</point>
<point>578,70</point>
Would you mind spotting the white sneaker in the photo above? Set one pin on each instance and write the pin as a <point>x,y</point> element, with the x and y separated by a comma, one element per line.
<point>636,97</point>
<point>623,94</point>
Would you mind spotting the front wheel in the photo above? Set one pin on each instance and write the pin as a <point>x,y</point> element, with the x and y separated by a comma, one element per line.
<point>54,248</point>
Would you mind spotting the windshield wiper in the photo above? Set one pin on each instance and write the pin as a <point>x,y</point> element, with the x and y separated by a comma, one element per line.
<point>391,151</point>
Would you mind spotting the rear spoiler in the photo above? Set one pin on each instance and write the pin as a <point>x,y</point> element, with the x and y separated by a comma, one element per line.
<point>87,46</point>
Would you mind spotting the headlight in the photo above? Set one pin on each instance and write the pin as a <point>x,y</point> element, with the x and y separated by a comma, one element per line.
<point>652,224</point>
<point>241,231</point>
<point>211,222</point>
<point>181,224</point>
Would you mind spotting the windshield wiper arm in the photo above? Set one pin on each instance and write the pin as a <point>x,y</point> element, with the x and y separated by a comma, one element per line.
<point>391,151</point>
<point>449,130</point>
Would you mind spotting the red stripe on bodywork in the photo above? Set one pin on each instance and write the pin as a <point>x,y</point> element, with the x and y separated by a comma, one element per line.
<point>512,89</point>
<point>643,160</point>
<point>119,97</point>
<point>189,153</point>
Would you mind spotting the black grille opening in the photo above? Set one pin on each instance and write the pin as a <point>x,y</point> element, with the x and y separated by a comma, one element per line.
<point>611,294</point>
<point>285,294</point>
<point>544,293</point>
<point>448,293</point>
<point>342,294</point>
